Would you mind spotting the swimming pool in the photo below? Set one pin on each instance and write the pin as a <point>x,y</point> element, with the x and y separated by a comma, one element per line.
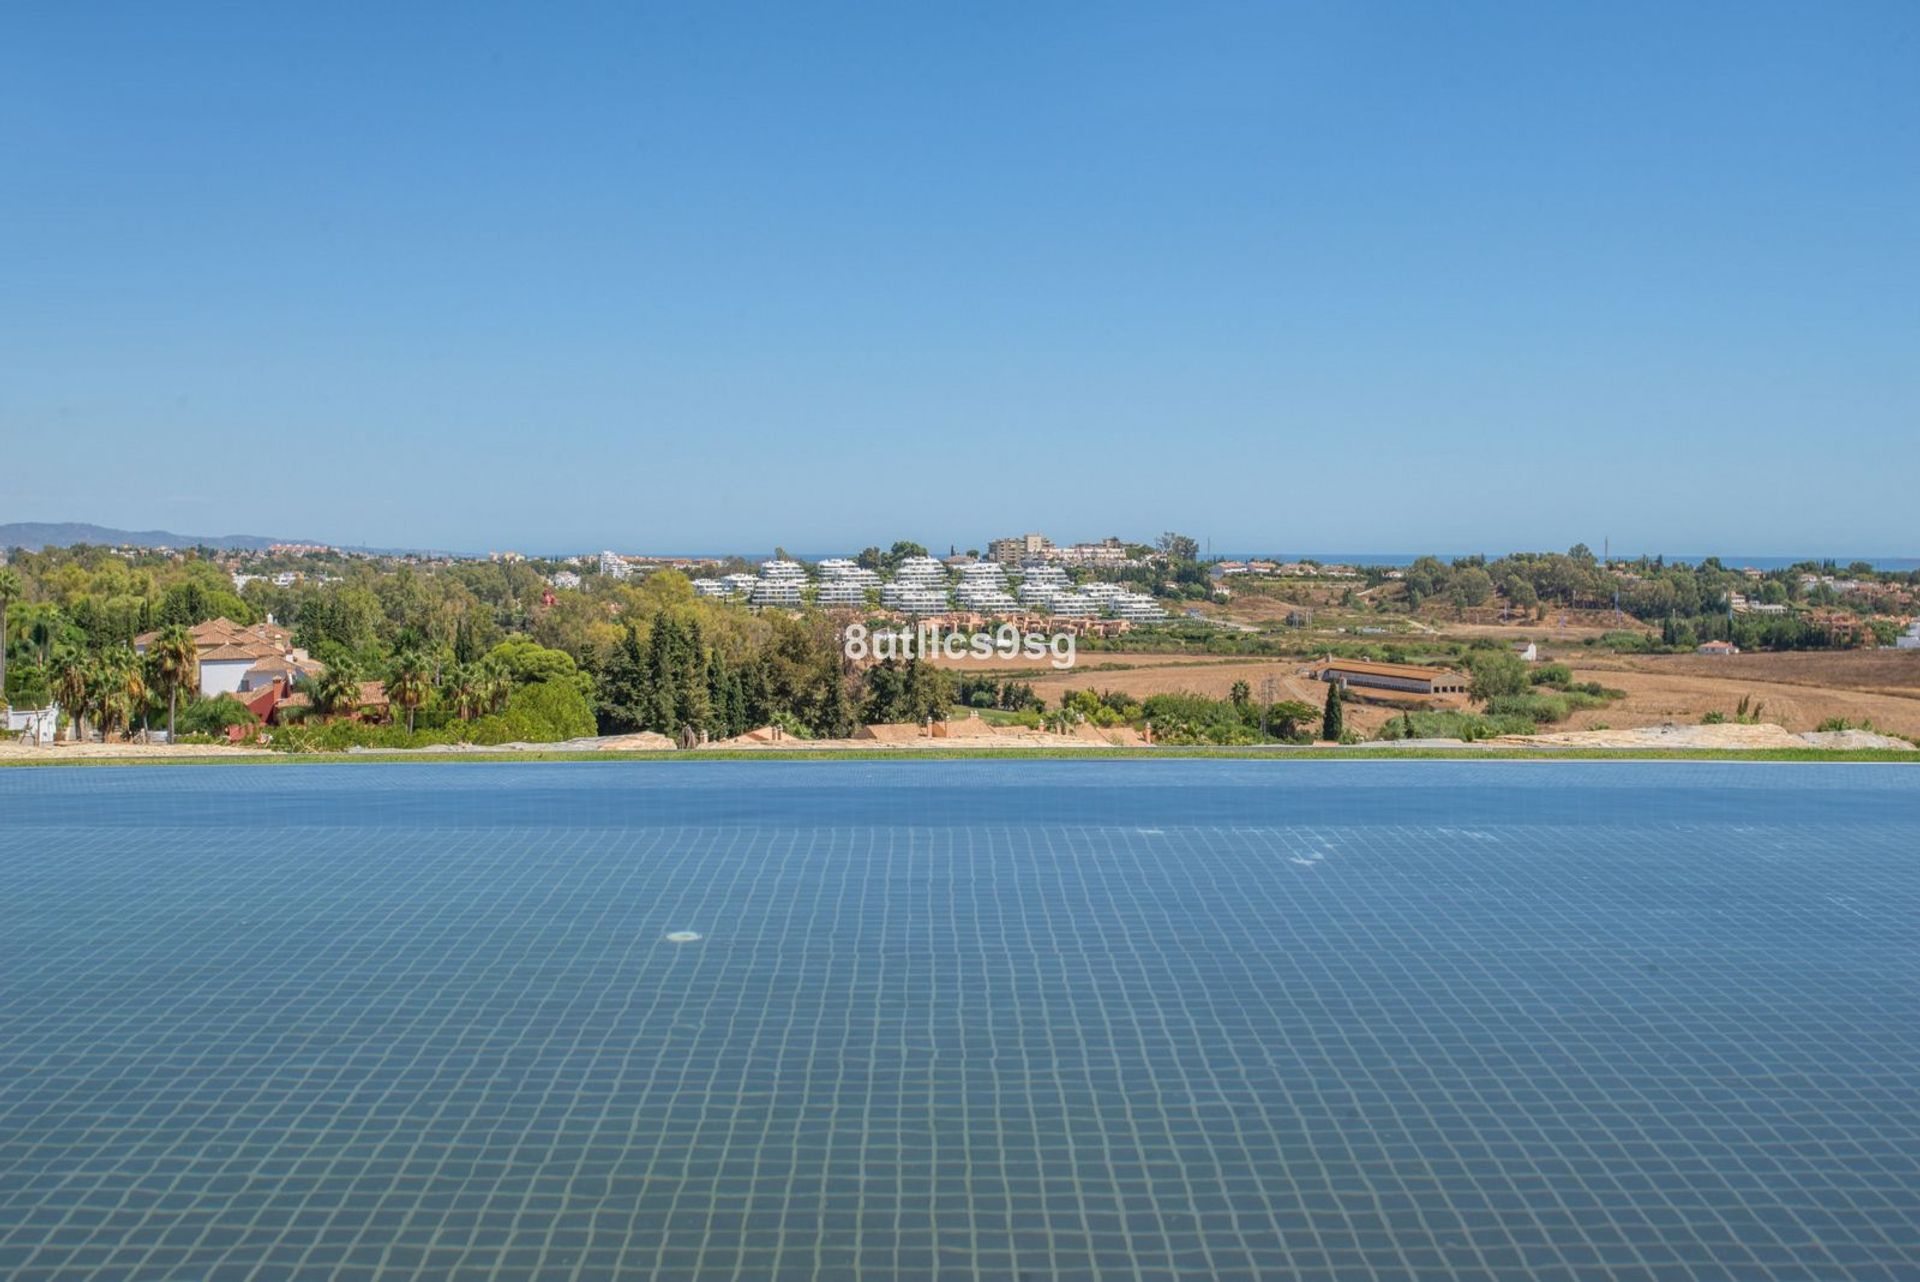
<point>1046,1020</point>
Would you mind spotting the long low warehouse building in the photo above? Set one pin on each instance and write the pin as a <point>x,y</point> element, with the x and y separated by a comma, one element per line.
<point>1409,678</point>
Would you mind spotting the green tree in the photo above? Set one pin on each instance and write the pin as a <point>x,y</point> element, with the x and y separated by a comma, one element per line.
<point>495,685</point>
<point>1178,548</point>
<point>175,661</point>
<point>836,713</point>
<point>337,692</point>
<point>1472,586</point>
<point>11,590</point>
<point>1333,720</point>
<point>528,661</point>
<point>1495,674</point>
<point>215,716</point>
<point>72,690</point>
<point>621,703</point>
<point>1287,716</point>
<point>409,682</point>
<point>119,689</point>
<point>460,688</point>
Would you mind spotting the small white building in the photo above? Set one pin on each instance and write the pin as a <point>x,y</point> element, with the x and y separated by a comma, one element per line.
<point>1910,639</point>
<point>33,725</point>
<point>1526,651</point>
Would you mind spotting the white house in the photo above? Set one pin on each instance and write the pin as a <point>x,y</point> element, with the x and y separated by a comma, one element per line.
<point>35,725</point>
<point>1910,639</point>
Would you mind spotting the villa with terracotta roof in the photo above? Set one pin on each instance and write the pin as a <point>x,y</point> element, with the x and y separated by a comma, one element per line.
<point>236,658</point>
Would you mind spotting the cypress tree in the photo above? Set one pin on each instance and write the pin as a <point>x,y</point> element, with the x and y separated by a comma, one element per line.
<point>719,677</point>
<point>663,643</point>
<point>622,705</point>
<point>691,706</point>
<point>836,717</point>
<point>1332,720</point>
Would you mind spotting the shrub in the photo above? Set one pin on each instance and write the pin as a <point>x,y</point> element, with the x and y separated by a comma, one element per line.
<point>1450,724</point>
<point>213,716</point>
<point>1557,675</point>
<point>1540,709</point>
<point>1496,674</point>
<point>544,712</point>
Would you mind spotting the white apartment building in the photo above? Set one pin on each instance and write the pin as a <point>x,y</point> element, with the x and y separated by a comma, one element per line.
<point>1038,595</point>
<point>911,600</point>
<point>1135,606</point>
<point>1040,572</point>
<point>615,566</point>
<point>921,572</point>
<point>780,584</point>
<point>840,592</point>
<point>841,570</point>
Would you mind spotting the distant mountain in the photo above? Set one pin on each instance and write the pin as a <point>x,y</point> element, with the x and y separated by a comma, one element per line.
<point>35,535</point>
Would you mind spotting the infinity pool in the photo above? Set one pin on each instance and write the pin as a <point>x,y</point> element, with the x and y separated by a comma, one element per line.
<point>999,1020</point>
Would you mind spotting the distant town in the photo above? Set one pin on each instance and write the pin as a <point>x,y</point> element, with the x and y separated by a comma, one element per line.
<point>310,647</point>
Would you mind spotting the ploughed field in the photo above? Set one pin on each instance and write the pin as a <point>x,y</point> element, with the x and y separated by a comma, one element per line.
<point>972,1019</point>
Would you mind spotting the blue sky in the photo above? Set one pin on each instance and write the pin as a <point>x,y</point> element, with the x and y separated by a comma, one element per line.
<point>1333,276</point>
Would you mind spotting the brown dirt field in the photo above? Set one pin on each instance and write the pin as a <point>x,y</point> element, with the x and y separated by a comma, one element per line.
<point>1214,679</point>
<point>1797,691</point>
<point>1085,660</point>
<point>1895,672</point>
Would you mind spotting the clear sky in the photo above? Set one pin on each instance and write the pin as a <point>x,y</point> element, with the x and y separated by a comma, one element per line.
<point>1367,277</point>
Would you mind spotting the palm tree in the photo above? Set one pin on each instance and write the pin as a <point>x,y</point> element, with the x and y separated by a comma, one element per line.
<point>119,689</point>
<point>462,690</point>
<point>72,690</point>
<point>496,683</point>
<point>409,682</point>
<point>338,690</point>
<point>10,591</point>
<point>42,633</point>
<point>176,664</point>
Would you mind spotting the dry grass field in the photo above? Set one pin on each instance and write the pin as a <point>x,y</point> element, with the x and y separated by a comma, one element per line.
<point>1149,674</point>
<point>1797,690</point>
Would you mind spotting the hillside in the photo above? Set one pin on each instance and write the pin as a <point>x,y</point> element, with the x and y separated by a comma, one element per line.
<point>35,535</point>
